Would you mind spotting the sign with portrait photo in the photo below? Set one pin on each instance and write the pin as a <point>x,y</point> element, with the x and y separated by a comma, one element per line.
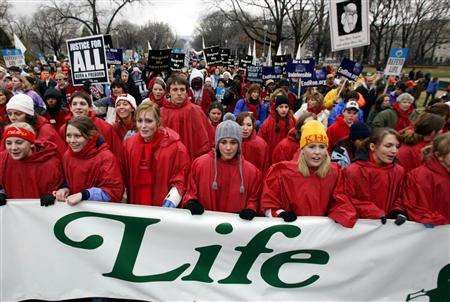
<point>349,24</point>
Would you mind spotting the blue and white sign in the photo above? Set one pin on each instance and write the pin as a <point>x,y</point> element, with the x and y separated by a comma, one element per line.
<point>114,56</point>
<point>397,58</point>
<point>13,57</point>
<point>350,69</point>
<point>273,73</point>
<point>301,69</point>
<point>319,78</point>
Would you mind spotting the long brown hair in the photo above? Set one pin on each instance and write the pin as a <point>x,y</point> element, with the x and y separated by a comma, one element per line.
<point>424,126</point>
<point>84,125</point>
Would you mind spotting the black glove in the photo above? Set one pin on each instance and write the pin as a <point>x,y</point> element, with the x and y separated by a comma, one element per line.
<point>383,219</point>
<point>2,199</point>
<point>288,216</point>
<point>195,207</point>
<point>247,214</point>
<point>399,216</point>
<point>47,200</point>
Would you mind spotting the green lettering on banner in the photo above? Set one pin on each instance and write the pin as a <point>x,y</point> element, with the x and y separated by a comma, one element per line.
<point>271,268</point>
<point>129,248</point>
<point>255,247</point>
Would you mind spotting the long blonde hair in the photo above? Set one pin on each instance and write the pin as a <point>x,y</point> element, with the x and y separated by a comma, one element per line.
<point>322,171</point>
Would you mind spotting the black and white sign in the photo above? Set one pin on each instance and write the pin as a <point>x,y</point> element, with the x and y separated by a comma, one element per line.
<point>349,24</point>
<point>246,61</point>
<point>88,60</point>
<point>282,62</point>
<point>159,60</point>
<point>177,61</point>
<point>225,57</point>
<point>213,55</point>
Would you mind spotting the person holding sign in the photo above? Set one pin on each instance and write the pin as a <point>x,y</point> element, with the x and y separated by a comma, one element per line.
<point>155,164</point>
<point>91,171</point>
<point>373,182</point>
<point>187,119</point>
<point>28,168</point>
<point>305,186</point>
<point>223,180</point>
<point>314,104</point>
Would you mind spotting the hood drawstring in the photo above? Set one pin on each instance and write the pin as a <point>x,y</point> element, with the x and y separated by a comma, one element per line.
<point>215,186</point>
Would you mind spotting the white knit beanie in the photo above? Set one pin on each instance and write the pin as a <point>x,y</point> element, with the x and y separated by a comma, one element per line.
<point>126,97</point>
<point>21,102</point>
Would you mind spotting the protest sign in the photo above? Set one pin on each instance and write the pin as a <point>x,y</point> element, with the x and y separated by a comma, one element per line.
<point>281,61</point>
<point>159,60</point>
<point>114,56</point>
<point>301,68</point>
<point>254,74</point>
<point>349,24</point>
<point>245,61</point>
<point>114,250</point>
<point>177,61</point>
<point>350,69</point>
<point>13,57</point>
<point>88,60</point>
<point>319,78</point>
<point>225,57</point>
<point>274,73</point>
<point>213,57</point>
<point>397,57</point>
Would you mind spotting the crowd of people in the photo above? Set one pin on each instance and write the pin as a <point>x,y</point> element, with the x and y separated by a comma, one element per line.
<point>206,138</point>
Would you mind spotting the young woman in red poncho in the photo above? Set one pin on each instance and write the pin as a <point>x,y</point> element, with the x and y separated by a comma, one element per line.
<point>156,164</point>
<point>125,126</point>
<point>80,104</point>
<point>91,170</point>
<point>28,168</point>
<point>20,108</point>
<point>373,182</point>
<point>157,89</point>
<point>223,180</point>
<point>425,129</point>
<point>187,119</point>
<point>277,125</point>
<point>426,193</point>
<point>305,186</point>
<point>254,148</point>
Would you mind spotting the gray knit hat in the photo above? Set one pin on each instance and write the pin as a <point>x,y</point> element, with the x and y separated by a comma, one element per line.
<point>228,129</point>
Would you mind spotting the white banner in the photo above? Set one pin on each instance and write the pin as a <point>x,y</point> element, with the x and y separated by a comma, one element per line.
<point>124,251</point>
<point>349,24</point>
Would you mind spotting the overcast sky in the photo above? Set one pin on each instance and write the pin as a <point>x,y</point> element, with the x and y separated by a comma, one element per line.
<point>181,15</point>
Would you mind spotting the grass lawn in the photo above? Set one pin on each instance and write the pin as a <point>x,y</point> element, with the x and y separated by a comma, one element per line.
<point>436,71</point>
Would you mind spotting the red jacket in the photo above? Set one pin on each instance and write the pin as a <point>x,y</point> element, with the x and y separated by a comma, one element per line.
<point>106,131</point>
<point>227,197</point>
<point>38,174</point>
<point>426,193</point>
<point>208,98</point>
<point>189,121</point>
<point>337,131</point>
<point>403,120</point>
<point>373,190</point>
<point>94,166</point>
<point>254,149</point>
<point>47,133</point>
<point>285,188</point>
<point>267,131</point>
<point>58,119</point>
<point>410,156</point>
<point>148,180</point>
<point>286,149</point>
<point>121,128</point>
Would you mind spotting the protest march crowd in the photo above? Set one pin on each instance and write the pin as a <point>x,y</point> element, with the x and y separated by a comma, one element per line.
<point>208,138</point>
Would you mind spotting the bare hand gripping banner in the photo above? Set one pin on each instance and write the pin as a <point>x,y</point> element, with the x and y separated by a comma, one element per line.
<point>138,252</point>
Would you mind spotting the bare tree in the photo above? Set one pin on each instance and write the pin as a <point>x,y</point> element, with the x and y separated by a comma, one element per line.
<point>97,16</point>
<point>50,32</point>
<point>302,19</point>
<point>159,34</point>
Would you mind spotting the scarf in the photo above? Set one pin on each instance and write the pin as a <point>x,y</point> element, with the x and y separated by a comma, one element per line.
<point>403,120</point>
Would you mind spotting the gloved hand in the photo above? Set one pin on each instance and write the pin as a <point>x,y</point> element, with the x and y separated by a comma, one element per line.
<point>195,207</point>
<point>247,214</point>
<point>429,225</point>
<point>168,204</point>
<point>288,216</point>
<point>399,216</point>
<point>47,200</point>
<point>383,219</point>
<point>2,199</point>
